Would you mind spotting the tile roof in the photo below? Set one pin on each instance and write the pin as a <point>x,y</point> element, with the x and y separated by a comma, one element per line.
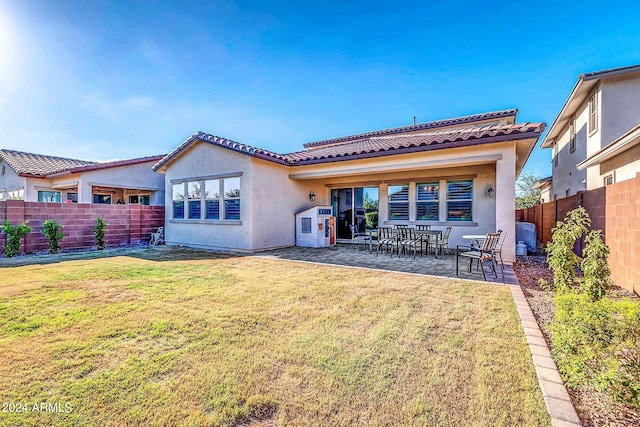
<point>112,164</point>
<point>39,165</point>
<point>373,146</point>
<point>420,126</point>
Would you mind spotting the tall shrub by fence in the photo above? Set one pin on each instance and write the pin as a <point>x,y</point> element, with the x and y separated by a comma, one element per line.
<point>615,210</point>
<point>127,224</point>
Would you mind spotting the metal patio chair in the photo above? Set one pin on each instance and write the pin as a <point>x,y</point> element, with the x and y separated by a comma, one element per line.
<point>483,254</point>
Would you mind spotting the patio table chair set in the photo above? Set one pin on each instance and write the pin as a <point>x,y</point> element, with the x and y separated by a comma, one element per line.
<point>489,250</point>
<point>403,239</point>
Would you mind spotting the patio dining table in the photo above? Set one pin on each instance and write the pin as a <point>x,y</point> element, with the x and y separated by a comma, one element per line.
<point>476,239</point>
<point>423,234</point>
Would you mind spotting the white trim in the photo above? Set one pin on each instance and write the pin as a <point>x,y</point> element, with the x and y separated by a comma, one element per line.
<point>401,167</point>
<point>124,187</point>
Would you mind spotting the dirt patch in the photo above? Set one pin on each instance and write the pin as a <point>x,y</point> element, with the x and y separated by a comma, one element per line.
<point>594,408</point>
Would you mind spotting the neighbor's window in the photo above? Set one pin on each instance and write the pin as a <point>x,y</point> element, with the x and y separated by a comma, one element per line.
<point>16,194</point>
<point>232,198</point>
<point>593,112</point>
<point>555,154</point>
<point>72,197</point>
<point>459,200</point>
<point>178,200</point>
<point>212,198</point>
<point>399,202</point>
<point>427,203</point>
<point>572,137</point>
<point>194,194</point>
<point>102,199</point>
<point>49,196</point>
<point>608,180</point>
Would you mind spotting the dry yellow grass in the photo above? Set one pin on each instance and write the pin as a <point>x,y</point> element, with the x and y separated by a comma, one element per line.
<point>177,337</point>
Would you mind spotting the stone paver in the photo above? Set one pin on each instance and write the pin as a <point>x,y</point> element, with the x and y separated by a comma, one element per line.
<point>344,254</point>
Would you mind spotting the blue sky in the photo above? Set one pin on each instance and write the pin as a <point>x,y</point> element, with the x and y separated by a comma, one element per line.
<point>100,80</point>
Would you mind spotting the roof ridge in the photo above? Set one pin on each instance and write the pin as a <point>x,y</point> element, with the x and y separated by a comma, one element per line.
<point>418,126</point>
<point>45,155</point>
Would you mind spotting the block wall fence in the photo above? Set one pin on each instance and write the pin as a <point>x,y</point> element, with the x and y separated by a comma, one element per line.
<point>126,224</point>
<point>614,209</point>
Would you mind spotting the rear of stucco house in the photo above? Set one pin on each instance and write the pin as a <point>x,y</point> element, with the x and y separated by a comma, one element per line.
<point>221,194</point>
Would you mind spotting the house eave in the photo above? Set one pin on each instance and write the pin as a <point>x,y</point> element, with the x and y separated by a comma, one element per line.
<point>626,141</point>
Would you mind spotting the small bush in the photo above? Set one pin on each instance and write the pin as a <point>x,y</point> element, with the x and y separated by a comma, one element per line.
<point>99,231</point>
<point>595,267</point>
<point>561,258</point>
<point>54,234</point>
<point>372,219</point>
<point>598,342</point>
<point>14,237</point>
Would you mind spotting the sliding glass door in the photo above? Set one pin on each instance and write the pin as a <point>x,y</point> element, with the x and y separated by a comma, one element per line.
<point>355,205</point>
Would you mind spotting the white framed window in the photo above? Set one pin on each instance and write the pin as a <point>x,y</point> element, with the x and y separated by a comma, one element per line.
<point>232,198</point>
<point>555,154</point>
<point>194,196</point>
<point>212,198</point>
<point>608,180</point>
<point>204,201</point>
<point>593,112</point>
<point>428,201</point>
<point>572,136</point>
<point>49,196</point>
<point>177,194</point>
<point>16,194</point>
<point>460,200</point>
<point>399,202</point>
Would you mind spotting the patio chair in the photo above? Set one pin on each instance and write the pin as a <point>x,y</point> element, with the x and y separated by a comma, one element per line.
<point>485,253</point>
<point>443,243</point>
<point>157,238</point>
<point>423,238</point>
<point>498,250</point>
<point>386,238</point>
<point>358,237</point>
<point>408,239</point>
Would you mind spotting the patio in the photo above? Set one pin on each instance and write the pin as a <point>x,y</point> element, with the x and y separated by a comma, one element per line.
<point>344,254</point>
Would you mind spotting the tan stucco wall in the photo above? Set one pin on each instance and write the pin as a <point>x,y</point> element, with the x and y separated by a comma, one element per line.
<point>132,176</point>
<point>203,160</point>
<point>624,166</point>
<point>271,194</point>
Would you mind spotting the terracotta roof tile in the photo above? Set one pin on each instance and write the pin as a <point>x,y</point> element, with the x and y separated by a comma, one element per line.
<point>420,126</point>
<point>39,165</point>
<point>112,164</point>
<point>373,146</point>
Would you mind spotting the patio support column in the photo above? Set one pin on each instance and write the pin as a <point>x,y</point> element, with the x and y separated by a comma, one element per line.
<point>383,203</point>
<point>506,201</point>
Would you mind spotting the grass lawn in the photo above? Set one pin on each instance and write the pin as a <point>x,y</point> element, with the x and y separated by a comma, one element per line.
<point>177,337</point>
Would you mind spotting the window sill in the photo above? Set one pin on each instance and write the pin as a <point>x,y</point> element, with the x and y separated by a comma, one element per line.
<point>434,223</point>
<point>206,221</point>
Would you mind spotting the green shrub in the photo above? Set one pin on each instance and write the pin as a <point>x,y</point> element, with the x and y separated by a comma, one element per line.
<point>561,258</point>
<point>372,219</point>
<point>99,231</point>
<point>14,237</point>
<point>598,342</point>
<point>594,266</point>
<point>54,234</point>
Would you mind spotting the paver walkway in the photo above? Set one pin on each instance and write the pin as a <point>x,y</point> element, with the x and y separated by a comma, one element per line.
<point>344,254</point>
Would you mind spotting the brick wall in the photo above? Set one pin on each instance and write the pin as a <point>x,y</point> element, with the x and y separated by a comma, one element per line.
<point>623,232</point>
<point>126,224</point>
<point>615,210</point>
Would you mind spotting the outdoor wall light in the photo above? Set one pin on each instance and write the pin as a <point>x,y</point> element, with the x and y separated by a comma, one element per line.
<point>312,196</point>
<point>491,192</point>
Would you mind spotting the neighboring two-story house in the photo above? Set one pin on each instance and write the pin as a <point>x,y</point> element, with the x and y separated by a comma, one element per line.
<point>596,136</point>
<point>40,178</point>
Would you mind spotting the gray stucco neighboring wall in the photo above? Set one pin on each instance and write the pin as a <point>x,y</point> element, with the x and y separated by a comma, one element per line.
<point>620,107</point>
<point>10,180</point>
